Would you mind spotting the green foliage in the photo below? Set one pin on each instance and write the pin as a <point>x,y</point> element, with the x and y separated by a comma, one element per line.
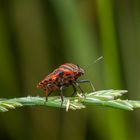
<point>108,98</point>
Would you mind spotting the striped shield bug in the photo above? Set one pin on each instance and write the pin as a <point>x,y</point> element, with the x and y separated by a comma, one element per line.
<point>62,77</point>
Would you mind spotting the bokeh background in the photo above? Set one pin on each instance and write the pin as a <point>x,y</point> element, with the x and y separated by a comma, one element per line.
<point>37,36</point>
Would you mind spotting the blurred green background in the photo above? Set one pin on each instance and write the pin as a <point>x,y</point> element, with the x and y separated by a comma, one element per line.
<point>36,36</point>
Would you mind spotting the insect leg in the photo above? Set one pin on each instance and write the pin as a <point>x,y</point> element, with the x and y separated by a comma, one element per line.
<point>48,94</point>
<point>61,93</point>
<point>77,85</point>
<point>74,89</point>
<point>86,81</point>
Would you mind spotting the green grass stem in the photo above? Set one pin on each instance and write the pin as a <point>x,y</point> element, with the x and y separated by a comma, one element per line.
<point>107,98</point>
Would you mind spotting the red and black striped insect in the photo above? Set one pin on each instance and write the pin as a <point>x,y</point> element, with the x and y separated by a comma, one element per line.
<point>62,77</point>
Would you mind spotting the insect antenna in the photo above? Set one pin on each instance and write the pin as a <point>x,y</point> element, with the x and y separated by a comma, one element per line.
<point>99,58</point>
<point>94,62</point>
